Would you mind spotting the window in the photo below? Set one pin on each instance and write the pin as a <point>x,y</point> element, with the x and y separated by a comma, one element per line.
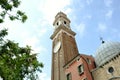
<point>69,76</point>
<point>88,61</point>
<point>64,22</point>
<point>81,69</point>
<point>111,70</point>
<point>78,59</point>
<point>57,23</point>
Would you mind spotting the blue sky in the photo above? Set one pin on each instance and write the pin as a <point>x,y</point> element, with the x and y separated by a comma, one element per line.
<point>90,19</point>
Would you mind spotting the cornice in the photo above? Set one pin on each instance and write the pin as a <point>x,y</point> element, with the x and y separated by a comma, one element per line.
<point>62,27</point>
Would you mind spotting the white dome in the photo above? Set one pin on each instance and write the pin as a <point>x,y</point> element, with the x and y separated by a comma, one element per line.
<point>106,52</point>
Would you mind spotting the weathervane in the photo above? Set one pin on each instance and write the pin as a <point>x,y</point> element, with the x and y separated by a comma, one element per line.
<point>102,40</point>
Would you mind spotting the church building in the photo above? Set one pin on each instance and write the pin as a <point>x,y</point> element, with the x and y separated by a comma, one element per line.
<point>69,64</point>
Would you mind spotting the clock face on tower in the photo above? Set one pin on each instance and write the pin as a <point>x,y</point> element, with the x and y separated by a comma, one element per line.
<point>57,47</point>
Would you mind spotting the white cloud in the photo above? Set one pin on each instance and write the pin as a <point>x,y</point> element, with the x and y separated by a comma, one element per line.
<point>102,27</point>
<point>81,29</point>
<point>31,41</point>
<point>108,2</point>
<point>109,14</point>
<point>43,76</point>
<point>26,35</point>
<point>51,7</point>
<point>68,10</point>
<point>42,31</point>
<point>39,49</point>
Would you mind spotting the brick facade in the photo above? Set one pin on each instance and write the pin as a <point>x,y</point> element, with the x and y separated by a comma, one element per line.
<point>80,60</point>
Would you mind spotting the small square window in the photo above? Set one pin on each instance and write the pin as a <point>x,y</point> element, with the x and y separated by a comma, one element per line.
<point>88,61</point>
<point>69,76</point>
<point>80,69</point>
<point>85,79</point>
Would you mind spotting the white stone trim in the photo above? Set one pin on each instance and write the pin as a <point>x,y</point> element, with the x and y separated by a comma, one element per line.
<point>64,32</point>
<point>108,68</point>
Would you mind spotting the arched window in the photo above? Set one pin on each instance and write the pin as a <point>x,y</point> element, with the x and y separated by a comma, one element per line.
<point>65,22</point>
<point>81,69</point>
<point>69,76</point>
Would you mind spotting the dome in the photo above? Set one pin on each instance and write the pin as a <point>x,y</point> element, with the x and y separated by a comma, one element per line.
<point>106,52</point>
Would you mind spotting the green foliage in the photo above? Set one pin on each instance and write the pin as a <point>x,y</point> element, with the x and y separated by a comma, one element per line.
<point>1,20</point>
<point>3,33</point>
<point>17,63</point>
<point>7,6</point>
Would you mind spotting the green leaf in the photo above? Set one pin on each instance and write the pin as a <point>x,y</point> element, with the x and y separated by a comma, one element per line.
<point>1,21</point>
<point>3,32</point>
<point>8,7</point>
<point>16,3</point>
<point>24,18</point>
<point>20,13</point>
<point>12,18</point>
<point>3,2</point>
<point>3,14</point>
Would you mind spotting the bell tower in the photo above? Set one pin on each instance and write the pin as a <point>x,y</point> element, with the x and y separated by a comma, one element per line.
<point>64,47</point>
